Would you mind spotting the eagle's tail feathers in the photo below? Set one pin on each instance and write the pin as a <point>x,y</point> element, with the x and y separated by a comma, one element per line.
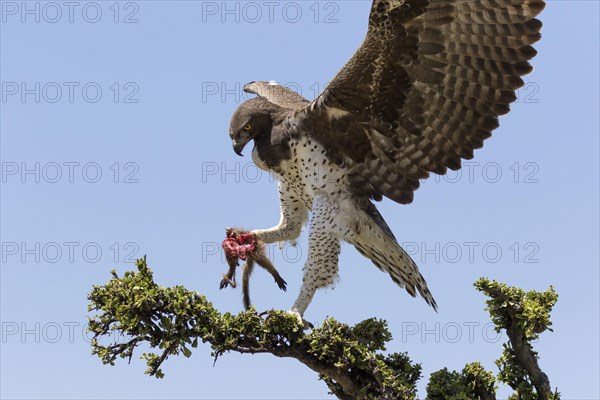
<point>387,255</point>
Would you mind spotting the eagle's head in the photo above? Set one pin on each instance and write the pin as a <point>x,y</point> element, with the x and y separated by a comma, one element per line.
<point>252,119</point>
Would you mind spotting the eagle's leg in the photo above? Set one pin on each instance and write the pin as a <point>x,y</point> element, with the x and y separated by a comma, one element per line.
<point>293,216</point>
<point>321,268</point>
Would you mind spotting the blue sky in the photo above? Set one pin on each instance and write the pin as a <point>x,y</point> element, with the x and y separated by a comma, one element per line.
<point>114,144</point>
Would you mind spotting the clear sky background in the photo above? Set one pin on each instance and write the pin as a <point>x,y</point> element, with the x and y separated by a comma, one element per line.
<point>114,145</point>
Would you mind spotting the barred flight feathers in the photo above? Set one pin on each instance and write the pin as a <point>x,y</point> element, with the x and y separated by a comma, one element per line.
<point>424,90</point>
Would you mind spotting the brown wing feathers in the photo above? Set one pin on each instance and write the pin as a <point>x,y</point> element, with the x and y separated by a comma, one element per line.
<point>480,74</point>
<point>427,86</point>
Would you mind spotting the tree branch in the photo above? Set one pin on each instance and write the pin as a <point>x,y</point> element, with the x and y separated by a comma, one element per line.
<point>175,319</point>
<point>528,359</point>
<point>524,316</point>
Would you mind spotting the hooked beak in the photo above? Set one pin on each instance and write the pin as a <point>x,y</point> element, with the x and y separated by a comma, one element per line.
<point>239,146</point>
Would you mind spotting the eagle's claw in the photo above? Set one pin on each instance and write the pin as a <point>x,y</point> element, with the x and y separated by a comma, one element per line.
<point>306,325</point>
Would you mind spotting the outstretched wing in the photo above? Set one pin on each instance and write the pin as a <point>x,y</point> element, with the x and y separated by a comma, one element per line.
<point>424,89</point>
<point>277,94</point>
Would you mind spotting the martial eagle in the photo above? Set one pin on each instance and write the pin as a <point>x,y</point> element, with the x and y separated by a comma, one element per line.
<point>422,92</point>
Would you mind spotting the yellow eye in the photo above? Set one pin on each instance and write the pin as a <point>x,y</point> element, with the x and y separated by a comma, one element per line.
<point>248,127</point>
